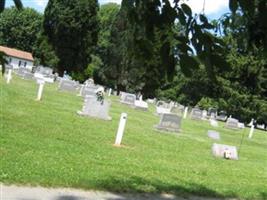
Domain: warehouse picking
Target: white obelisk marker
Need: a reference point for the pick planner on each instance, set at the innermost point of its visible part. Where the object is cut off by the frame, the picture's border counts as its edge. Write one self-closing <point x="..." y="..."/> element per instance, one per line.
<point x="251" y="131"/>
<point x="40" y="90"/>
<point x="109" y="92"/>
<point x="9" y="76"/>
<point x="185" y="112"/>
<point x="120" y="131"/>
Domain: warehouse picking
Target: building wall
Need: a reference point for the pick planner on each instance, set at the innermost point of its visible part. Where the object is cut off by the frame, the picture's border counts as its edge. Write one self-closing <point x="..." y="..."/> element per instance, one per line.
<point x="19" y="62"/>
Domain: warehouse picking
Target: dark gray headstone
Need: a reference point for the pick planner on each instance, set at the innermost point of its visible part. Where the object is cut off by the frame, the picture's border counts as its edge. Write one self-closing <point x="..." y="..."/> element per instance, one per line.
<point x="169" y="122"/>
<point x="94" y="108"/>
<point x="225" y="151"/>
<point x="214" y="135"/>
<point x="196" y="114"/>
<point x="232" y="123"/>
<point x="68" y="85"/>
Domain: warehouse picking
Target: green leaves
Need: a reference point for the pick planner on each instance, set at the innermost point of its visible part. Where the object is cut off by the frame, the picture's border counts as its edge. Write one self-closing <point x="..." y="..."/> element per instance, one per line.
<point x="188" y="64"/>
<point x="187" y="10"/>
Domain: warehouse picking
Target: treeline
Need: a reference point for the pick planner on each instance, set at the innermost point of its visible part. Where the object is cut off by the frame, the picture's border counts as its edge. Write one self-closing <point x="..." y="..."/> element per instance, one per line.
<point x="153" y="47"/>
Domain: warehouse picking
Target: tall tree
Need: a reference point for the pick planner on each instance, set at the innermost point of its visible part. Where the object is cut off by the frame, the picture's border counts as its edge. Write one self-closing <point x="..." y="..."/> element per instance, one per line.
<point x="72" y="29"/>
<point x="19" y="28"/>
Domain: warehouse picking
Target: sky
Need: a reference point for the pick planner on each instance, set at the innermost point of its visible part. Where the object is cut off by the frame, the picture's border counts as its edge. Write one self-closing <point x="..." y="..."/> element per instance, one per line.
<point x="213" y="8"/>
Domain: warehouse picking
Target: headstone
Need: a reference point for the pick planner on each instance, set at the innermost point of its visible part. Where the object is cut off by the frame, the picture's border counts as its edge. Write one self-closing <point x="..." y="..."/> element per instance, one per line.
<point x="151" y="101"/>
<point x="68" y="85"/>
<point x="214" y="135"/>
<point x="128" y="99"/>
<point x="178" y="110"/>
<point x="163" y="107"/>
<point x="196" y="114"/>
<point x="225" y="151"/>
<point x="109" y="92"/>
<point x="232" y="123"/>
<point x="46" y="71"/>
<point x="204" y="114"/>
<point x="88" y="90"/>
<point x="28" y="76"/>
<point x="213" y="122"/>
<point x="260" y="126"/>
<point x="142" y="105"/>
<point x="212" y="113"/>
<point x="94" y="108"/>
<point x="169" y="122"/>
<point x="241" y="125"/>
<point x="121" y="128"/>
<point x="222" y="116"/>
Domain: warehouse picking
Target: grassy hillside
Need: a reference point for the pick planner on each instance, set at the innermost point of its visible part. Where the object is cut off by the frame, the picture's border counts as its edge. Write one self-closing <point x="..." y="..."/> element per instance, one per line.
<point x="46" y="143"/>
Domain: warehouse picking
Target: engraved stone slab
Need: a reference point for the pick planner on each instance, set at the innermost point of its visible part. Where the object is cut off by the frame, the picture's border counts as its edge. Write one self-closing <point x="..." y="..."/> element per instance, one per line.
<point x="94" y="108"/>
<point x="163" y="107"/>
<point x="88" y="90"/>
<point x="142" y="105"/>
<point x="225" y="151"/>
<point x="128" y="99"/>
<point x="232" y="123"/>
<point x="68" y="85"/>
<point x="178" y="110"/>
<point x="196" y="114"/>
<point x="214" y="135"/>
<point x="44" y="70"/>
<point x="169" y="122"/>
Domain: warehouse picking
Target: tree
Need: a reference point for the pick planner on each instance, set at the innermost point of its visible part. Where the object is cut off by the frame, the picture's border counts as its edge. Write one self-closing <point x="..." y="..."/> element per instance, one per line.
<point x="19" y="28"/>
<point x="72" y="28"/>
<point x="17" y="3"/>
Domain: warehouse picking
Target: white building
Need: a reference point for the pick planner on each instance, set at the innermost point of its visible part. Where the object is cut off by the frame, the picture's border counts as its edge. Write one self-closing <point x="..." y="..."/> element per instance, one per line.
<point x="17" y="58"/>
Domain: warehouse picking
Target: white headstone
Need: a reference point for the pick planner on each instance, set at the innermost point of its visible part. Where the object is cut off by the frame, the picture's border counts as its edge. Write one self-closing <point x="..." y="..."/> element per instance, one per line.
<point x="232" y="123"/>
<point x="94" y="108"/>
<point x="109" y="92"/>
<point x="142" y="105"/>
<point x="163" y="107"/>
<point x="9" y="76"/>
<point x="128" y="99"/>
<point x="225" y="151"/>
<point x="196" y="114"/>
<point x="213" y="122"/>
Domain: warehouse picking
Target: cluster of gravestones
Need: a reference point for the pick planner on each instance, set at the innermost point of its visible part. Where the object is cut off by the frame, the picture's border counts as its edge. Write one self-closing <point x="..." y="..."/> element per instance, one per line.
<point x="171" y="114"/>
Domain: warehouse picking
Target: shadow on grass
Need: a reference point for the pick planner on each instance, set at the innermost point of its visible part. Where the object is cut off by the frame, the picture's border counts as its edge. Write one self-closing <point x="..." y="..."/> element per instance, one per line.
<point x="139" y="186"/>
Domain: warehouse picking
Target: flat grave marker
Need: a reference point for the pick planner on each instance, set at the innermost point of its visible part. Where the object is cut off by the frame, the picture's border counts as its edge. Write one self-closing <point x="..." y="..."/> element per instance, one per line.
<point x="214" y="135"/>
<point x="225" y="151"/>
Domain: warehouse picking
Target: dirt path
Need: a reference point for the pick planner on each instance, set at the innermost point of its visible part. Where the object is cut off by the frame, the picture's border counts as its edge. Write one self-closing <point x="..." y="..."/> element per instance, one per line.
<point x="13" y="192"/>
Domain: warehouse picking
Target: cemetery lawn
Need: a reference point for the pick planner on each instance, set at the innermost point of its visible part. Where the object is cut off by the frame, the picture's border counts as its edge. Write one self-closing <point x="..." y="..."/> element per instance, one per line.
<point x="46" y="143"/>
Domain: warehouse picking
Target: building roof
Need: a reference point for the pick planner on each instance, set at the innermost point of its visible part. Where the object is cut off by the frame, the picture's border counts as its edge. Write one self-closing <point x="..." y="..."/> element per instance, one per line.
<point x="17" y="53"/>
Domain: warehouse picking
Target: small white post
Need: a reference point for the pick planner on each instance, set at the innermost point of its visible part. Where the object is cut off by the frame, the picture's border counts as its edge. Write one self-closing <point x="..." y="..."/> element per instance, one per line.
<point x="251" y="131"/>
<point x="141" y="98"/>
<point x="40" y="90"/>
<point x="81" y="90"/>
<point x="9" y="76"/>
<point x="185" y="112"/>
<point x="120" y="131"/>
<point x="109" y="92"/>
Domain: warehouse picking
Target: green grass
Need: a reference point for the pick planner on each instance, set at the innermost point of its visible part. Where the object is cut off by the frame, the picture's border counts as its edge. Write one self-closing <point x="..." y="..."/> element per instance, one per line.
<point x="46" y="143"/>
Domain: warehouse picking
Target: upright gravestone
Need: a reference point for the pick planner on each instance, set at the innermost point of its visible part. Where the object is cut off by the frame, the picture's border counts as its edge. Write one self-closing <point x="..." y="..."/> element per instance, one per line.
<point x="214" y="135"/>
<point x="68" y="86"/>
<point x="128" y="99"/>
<point x="178" y="110"/>
<point x="169" y="122"/>
<point x="225" y="151"/>
<point x="28" y="76"/>
<point x="88" y="90"/>
<point x="141" y="105"/>
<point x="196" y="114"/>
<point x="232" y="123"/>
<point x="94" y="108"/>
<point x="163" y="107"/>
